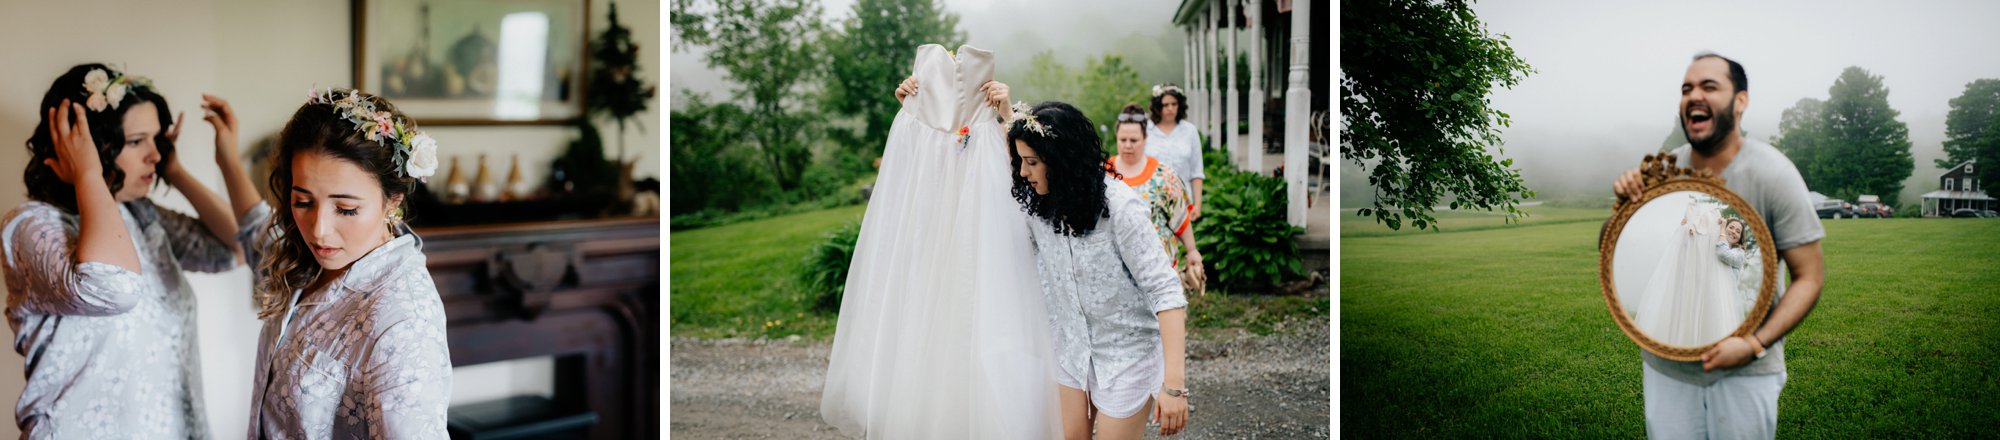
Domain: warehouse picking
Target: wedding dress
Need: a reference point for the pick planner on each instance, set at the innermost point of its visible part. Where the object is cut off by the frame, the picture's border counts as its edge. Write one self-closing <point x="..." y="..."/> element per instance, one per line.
<point x="1691" y="297"/>
<point x="942" y="332"/>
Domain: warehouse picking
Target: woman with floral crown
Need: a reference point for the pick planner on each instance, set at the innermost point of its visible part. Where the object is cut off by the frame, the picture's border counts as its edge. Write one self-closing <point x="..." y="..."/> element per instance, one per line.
<point x="95" y="296"/>
<point x="353" y="344"/>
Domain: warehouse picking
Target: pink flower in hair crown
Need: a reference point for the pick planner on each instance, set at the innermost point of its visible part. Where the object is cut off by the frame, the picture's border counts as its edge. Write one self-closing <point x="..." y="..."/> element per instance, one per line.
<point x="415" y="151"/>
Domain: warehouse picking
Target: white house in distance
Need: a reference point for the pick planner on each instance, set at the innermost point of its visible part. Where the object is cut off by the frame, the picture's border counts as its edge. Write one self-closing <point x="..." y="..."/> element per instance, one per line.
<point x="1960" y="190"/>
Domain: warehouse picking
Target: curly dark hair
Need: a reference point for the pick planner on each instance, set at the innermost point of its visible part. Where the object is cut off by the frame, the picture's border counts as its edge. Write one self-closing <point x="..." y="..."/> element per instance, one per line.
<point x="1180" y="114"/>
<point x="1076" y="168"/>
<point x="288" y="263"/>
<point x="107" y="129"/>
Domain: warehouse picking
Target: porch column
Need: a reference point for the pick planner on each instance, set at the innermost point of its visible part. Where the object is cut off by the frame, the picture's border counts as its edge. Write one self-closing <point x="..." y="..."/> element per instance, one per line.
<point x="1298" y="114"/>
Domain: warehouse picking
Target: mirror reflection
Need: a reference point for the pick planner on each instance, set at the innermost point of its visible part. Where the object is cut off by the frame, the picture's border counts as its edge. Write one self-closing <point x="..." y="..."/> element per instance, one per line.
<point x="1688" y="268"/>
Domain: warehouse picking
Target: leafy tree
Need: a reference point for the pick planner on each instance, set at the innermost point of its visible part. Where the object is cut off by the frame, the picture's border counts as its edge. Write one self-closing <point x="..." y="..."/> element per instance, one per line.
<point x="1415" y="80"/>
<point x="1100" y="89"/>
<point x="1972" y="131"/>
<point x="1105" y="85"/>
<point x="873" y="51"/>
<point x="1852" y="144"/>
<point x="1802" y="137"/>
<point x="769" y="48"/>
<point x="1046" y="80"/>
<point x="708" y="164"/>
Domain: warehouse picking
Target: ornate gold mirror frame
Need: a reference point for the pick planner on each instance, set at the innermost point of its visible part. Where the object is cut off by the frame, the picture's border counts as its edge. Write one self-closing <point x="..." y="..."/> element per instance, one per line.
<point x="1661" y="177"/>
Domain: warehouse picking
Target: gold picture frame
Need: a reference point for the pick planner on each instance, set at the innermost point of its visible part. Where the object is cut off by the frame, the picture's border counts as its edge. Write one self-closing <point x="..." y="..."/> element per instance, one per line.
<point x="1662" y="177"/>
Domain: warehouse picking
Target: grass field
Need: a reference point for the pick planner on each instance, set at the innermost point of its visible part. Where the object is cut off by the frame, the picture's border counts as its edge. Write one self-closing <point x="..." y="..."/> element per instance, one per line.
<point x="1502" y="331"/>
<point x="741" y="280"/>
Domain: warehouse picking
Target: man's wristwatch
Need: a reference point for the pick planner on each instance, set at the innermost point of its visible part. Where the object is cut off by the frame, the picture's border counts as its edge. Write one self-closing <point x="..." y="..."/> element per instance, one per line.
<point x="1758" y="344"/>
<point x="1178" y="392"/>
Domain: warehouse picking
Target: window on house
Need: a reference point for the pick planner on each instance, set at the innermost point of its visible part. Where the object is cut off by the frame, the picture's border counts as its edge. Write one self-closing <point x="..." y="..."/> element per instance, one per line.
<point x="1947" y="184"/>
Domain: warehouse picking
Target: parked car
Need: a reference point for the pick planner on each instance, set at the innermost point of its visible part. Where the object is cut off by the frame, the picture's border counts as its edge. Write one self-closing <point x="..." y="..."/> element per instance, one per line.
<point x="1873" y="210"/>
<point x="1974" y="213"/>
<point x="1831" y="207"/>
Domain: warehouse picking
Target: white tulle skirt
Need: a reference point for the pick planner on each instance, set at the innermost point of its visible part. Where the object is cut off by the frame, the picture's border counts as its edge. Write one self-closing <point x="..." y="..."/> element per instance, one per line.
<point x="1691" y="298"/>
<point x="942" y="331"/>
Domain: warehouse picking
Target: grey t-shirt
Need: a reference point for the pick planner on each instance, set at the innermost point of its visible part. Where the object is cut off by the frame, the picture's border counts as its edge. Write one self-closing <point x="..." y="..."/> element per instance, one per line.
<point x="1768" y="181"/>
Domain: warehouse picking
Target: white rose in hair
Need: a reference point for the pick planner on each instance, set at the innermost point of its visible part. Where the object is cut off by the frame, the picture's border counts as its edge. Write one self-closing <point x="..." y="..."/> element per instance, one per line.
<point x="423" y="156"/>
<point x="96" y="102"/>
<point x="95" y="81"/>
<point x="116" y="94"/>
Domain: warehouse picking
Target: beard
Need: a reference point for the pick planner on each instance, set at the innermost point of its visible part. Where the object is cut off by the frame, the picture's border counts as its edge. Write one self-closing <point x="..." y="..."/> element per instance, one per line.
<point x="1725" y="123"/>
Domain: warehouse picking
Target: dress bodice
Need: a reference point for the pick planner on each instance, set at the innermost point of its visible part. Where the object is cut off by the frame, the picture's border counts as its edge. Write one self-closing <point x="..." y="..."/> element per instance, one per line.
<point x="948" y="95"/>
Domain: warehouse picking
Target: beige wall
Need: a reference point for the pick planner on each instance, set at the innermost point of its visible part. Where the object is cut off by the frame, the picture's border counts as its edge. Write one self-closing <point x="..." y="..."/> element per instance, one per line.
<point x="262" y="55"/>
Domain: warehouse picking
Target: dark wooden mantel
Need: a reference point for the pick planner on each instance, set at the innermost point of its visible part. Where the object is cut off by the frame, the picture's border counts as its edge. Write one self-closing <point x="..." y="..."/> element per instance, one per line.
<point x="586" y="292"/>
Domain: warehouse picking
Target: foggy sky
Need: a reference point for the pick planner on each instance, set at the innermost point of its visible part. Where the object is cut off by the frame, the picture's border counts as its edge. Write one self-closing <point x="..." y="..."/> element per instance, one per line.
<point x="1013" y="30"/>
<point x="1609" y="73"/>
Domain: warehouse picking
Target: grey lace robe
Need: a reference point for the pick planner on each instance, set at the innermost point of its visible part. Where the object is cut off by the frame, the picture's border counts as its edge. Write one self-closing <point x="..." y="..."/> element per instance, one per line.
<point x="364" y="358"/>
<point x="108" y="353"/>
<point x="1105" y="288"/>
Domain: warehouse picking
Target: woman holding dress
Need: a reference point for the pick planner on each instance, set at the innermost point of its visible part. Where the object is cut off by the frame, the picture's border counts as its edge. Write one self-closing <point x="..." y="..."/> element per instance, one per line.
<point x="1115" y="305"/>
<point x="95" y="295"/>
<point x="941" y="333"/>
<point x="1172" y="212"/>
<point x="353" y="344"/>
<point x="1690" y="300"/>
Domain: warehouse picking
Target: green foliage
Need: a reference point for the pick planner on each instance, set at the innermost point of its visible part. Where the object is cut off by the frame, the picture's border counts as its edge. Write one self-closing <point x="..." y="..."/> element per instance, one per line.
<point x="824" y="273"/>
<point x="1852" y="143"/>
<point x="1100" y="89"/>
<point x="1415" y="87"/>
<point x="1972" y="131"/>
<point x="769" y="48"/>
<point x="709" y="166"/>
<point x="872" y="51"/>
<point x="1243" y="234"/>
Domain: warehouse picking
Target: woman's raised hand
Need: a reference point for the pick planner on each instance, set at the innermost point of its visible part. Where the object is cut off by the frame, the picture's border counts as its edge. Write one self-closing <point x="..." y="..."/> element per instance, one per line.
<point x="218" y="113"/>
<point x="907" y="88"/>
<point x="996" y="95"/>
<point x="76" y="152"/>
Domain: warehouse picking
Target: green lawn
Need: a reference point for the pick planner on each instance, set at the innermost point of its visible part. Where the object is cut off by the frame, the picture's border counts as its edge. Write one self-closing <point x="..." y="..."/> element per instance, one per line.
<point x="741" y="280"/>
<point x="1352" y="225"/>
<point x="1503" y="331"/>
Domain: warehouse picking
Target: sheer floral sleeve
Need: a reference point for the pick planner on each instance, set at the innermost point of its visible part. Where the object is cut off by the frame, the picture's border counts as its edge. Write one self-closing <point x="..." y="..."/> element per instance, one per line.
<point x="47" y="278"/>
<point x="193" y="246"/>
<point x="1729" y="255"/>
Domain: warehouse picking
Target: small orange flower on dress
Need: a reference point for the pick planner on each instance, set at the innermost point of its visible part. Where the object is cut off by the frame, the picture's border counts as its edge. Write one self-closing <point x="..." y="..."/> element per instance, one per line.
<point x="964" y="135"/>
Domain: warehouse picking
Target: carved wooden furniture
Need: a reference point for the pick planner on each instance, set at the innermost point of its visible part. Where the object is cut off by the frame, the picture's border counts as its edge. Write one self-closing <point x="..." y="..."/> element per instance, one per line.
<point x="586" y="292"/>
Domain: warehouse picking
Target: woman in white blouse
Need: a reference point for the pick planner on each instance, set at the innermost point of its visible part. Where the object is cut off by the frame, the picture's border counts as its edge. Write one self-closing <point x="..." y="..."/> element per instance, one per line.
<point x="353" y="344"/>
<point x="100" y="313"/>
<point x="1116" y="306"/>
<point x="1175" y="144"/>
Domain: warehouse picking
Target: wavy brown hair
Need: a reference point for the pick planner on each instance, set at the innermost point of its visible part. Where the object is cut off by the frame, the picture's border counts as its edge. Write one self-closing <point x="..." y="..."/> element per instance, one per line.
<point x="107" y="129"/>
<point x="287" y="263"/>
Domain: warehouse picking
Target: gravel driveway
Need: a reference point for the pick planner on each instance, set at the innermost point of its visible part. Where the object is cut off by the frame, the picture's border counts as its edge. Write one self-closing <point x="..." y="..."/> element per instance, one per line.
<point x="1246" y="386"/>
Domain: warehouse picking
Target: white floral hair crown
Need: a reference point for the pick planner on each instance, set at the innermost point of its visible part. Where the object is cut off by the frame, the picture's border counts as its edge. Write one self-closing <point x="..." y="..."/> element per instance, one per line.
<point x="1164" y="88"/>
<point x="415" y="151"/>
<point x="106" y="90"/>
<point x="1025" y="115"/>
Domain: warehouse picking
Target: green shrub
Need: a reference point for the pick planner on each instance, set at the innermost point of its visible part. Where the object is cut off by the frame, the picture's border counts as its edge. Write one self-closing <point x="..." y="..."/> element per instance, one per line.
<point x="824" y="273"/>
<point x="1243" y="233"/>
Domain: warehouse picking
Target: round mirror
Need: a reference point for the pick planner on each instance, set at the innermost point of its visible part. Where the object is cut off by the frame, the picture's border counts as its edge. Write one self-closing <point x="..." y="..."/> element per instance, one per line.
<point x="1686" y="265"/>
